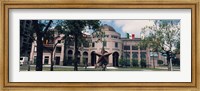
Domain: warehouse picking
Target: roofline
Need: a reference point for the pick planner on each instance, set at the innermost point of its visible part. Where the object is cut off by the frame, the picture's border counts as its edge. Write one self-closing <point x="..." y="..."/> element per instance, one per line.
<point x="136" y="39"/>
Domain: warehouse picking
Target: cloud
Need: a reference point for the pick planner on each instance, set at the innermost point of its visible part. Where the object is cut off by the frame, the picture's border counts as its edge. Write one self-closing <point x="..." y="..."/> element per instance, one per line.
<point x="133" y="26"/>
<point x="128" y="26"/>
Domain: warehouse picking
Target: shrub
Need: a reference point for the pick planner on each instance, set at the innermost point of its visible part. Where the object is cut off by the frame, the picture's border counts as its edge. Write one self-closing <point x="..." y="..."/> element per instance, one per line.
<point x="135" y="63"/>
<point x="124" y="62"/>
<point x="143" y="63"/>
<point x="70" y="62"/>
<point x="127" y="62"/>
<point x="121" y="62"/>
<point x="176" y="61"/>
<point x="65" y="63"/>
<point x="160" y="62"/>
<point x="85" y="62"/>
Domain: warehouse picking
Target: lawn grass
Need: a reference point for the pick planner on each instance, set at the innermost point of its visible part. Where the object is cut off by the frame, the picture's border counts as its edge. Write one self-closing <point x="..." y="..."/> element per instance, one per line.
<point x="70" y="68"/>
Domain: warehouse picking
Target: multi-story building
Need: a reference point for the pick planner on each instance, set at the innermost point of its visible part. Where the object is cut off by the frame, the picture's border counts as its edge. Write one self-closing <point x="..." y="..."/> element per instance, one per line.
<point x="113" y="43"/>
<point x="53" y="49"/>
<point x="25" y="39"/>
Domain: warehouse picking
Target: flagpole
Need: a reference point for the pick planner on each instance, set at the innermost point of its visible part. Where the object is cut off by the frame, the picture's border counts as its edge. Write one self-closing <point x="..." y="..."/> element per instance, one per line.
<point x="126" y="50"/>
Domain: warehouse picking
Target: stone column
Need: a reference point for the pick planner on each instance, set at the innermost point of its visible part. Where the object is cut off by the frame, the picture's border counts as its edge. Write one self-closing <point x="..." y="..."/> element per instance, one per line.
<point x="32" y="53"/>
<point x="139" y="59"/>
<point x="62" y="54"/>
<point x="131" y="55"/>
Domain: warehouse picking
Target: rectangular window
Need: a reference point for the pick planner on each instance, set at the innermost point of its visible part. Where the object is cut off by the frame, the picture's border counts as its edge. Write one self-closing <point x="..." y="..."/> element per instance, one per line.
<point x="58" y="50"/>
<point x="126" y="47"/>
<point x="46" y="60"/>
<point x="142" y="48"/>
<point x="35" y="58"/>
<point x="134" y="47"/>
<point x="104" y="43"/>
<point x="106" y="36"/>
<point x="127" y="55"/>
<point x="59" y="41"/>
<point x="116" y="45"/>
<point x="113" y="36"/>
<point x="86" y="44"/>
<point x="35" y="49"/>
<point x="50" y="41"/>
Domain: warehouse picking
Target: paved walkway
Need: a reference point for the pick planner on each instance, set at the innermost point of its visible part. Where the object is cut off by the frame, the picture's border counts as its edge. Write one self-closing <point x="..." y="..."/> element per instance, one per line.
<point x="165" y="68"/>
<point x="93" y="67"/>
<point x="106" y="67"/>
<point x="58" y="66"/>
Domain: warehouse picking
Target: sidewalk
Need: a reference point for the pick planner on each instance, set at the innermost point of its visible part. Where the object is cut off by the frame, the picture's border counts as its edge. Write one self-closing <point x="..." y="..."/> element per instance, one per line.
<point x="175" y="68"/>
<point x="58" y="66"/>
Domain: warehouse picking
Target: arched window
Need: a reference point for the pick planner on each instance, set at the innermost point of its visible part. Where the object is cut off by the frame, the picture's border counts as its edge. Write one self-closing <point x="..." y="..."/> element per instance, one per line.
<point x="85" y="54"/>
<point x="70" y="59"/>
<point x="70" y="52"/>
<point x="143" y="55"/>
<point x="135" y="55"/>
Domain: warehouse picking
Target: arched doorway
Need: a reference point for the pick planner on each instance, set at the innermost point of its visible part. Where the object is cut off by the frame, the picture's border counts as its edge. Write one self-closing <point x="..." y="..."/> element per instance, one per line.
<point x="79" y="55"/>
<point x="93" y="58"/>
<point x="85" y="57"/>
<point x="115" y="59"/>
<point x="70" y="59"/>
<point x="58" y="60"/>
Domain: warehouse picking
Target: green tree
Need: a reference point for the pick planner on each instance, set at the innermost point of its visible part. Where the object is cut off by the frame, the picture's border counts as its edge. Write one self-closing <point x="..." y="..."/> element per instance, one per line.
<point x="135" y="63"/>
<point x="163" y="36"/>
<point x="73" y="30"/>
<point x="41" y="30"/>
<point x="143" y="63"/>
<point x="151" y="42"/>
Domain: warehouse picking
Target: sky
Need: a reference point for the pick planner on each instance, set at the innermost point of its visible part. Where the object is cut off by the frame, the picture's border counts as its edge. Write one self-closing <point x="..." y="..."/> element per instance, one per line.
<point x="128" y="26"/>
<point x="125" y="26"/>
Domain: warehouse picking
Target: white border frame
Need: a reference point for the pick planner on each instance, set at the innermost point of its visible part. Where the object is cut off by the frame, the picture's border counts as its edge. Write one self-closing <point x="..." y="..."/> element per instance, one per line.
<point x="67" y="76"/>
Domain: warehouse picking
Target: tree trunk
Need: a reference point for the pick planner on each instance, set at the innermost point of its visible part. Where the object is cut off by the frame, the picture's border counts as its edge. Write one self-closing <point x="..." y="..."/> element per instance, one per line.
<point x="153" y="61"/>
<point x="39" y="46"/>
<point x="171" y="69"/>
<point x="169" y="66"/>
<point x="53" y="53"/>
<point x="158" y="57"/>
<point x="28" y="63"/>
<point x="39" y="52"/>
<point x="168" y="61"/>
<point x="76" y="54"/>
<point x="40" y="35"/>
<point x="52" y="62"/>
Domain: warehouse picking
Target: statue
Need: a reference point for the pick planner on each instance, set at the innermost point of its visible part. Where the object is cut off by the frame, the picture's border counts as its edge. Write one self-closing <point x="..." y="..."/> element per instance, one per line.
<point x="103" y="59"/>
<point x="103" y="56"/>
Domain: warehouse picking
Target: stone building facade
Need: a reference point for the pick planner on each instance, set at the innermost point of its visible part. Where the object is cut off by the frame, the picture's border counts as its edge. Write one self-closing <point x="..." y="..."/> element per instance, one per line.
<point x="119" y="47"/>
